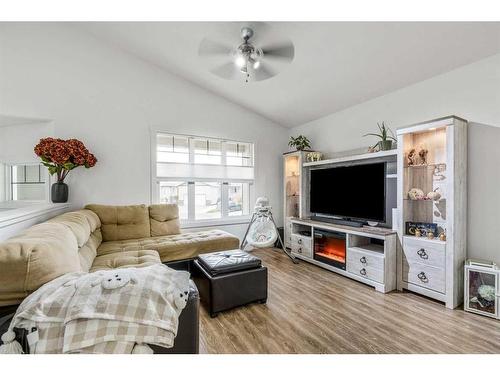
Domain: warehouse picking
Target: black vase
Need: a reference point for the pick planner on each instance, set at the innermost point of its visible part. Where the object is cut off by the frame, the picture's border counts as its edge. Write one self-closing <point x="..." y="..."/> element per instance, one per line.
<point x="59" y="192"/>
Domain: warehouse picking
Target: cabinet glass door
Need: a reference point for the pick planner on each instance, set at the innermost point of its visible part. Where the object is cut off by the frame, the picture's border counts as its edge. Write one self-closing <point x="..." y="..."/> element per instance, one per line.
<point x="481" y="292"/>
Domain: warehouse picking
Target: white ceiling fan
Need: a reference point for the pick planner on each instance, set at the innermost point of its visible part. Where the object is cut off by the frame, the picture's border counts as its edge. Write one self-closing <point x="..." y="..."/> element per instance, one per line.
<point x="254" y="59"/>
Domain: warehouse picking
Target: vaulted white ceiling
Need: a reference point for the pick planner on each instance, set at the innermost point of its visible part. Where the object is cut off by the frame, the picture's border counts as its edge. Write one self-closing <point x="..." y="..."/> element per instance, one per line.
<point x="336" y="64"/>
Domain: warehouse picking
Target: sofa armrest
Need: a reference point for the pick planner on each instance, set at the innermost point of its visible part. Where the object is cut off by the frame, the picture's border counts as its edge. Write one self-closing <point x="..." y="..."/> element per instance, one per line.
<point x="188" y="332"/>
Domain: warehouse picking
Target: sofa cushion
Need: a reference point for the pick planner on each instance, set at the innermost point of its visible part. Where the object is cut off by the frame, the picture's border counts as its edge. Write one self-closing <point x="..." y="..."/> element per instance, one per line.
<point x="88" y="252"/>
<point x="180" y="246"/>
<point x="81" y="223"/>
<point x="164" y="219"/>
<point x="34" y="257"/>
<point x="85" y="225"/>
<point x="122" y="222"/>
<point x="126" y="259"/>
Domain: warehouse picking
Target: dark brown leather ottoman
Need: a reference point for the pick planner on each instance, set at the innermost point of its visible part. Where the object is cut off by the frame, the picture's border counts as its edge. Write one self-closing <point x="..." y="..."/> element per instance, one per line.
<point x="228" y="279"/>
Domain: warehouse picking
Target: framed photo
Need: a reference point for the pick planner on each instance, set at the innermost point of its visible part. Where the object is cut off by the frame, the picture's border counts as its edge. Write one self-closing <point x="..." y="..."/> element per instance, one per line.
<point x="425" y="228"/>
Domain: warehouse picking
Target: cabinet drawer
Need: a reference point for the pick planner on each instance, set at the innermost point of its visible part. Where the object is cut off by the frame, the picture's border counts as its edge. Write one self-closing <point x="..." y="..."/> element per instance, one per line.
<point x="425" y="276"/>
<point x="301" y="250"/>
<point x="425" y="252"/>
<point x="365" y="258"/>
<point x="302" y="241"/>
<point x="375" y="274"/>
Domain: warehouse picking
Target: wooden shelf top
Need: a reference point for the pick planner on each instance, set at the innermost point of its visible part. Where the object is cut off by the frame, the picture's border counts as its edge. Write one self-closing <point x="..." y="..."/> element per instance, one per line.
<point x="375" y="232"/>
<point x="342" y="159"/>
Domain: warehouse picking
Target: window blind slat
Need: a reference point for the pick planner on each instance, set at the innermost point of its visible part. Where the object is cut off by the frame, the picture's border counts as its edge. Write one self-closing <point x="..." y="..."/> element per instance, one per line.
<point x="194" y="171"/>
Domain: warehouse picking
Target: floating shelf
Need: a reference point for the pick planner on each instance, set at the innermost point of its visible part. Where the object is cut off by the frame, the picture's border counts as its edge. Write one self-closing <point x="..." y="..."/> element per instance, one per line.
<point x="369" y="155"/>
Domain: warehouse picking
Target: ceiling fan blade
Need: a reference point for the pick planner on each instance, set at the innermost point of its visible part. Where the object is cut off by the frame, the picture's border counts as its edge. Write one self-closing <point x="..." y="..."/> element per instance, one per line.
<point x="212" y="48"/>
<point x="282" y="51"/>
<point x="263" y="72"/>
<point x="228" y="71"/>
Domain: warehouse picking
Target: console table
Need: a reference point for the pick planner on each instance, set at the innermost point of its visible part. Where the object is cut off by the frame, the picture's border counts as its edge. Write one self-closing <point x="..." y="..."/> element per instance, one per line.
<point x="370" y="252"/>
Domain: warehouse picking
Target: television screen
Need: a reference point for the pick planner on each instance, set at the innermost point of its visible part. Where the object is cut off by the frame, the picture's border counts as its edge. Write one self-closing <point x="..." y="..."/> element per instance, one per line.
<point x="356" y="192"/>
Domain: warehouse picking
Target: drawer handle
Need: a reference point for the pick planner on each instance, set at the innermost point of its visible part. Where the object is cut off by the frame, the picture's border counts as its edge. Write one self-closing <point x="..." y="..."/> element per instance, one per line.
<point x="422" y="254"/>
<point x="299" y="241"/>
<point x="362" y="271"/>
<point x="299" y="250"/>
<point x="362" y="260"/>
<point x="423" y="277"/>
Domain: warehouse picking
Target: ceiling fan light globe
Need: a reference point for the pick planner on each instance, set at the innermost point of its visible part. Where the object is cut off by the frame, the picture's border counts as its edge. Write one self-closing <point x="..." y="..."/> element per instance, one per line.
<point x="240" y="61"/>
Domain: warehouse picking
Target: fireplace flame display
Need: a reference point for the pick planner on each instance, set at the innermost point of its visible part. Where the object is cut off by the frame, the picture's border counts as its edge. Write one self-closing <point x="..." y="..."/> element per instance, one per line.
<point x="329" y="247"/>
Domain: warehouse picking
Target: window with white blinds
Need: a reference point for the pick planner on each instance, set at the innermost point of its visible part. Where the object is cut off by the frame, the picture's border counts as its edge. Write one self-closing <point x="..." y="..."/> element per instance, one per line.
<point x="210" y="179"/>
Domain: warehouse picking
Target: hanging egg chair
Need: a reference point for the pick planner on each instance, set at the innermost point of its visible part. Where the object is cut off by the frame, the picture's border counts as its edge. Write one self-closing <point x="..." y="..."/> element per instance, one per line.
<point x="262" y="230"/>
<point x="262" y="233"/>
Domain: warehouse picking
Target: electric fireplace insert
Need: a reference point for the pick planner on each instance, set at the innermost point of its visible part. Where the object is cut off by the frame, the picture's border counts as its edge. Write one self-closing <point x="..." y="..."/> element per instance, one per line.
<point x="330" y="247"/>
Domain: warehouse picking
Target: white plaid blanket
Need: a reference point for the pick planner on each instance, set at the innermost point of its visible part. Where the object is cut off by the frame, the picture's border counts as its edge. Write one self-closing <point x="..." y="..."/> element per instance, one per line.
<point x="105" y="312"/>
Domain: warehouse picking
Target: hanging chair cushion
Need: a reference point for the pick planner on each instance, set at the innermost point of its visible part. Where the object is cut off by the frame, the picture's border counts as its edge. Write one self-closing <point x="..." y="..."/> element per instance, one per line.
<point x="262" y="234"/>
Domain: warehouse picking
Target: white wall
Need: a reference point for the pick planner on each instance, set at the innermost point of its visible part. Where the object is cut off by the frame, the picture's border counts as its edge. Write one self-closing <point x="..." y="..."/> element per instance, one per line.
<point x="484" y="192"/>
<point x="109" y="100"/>
<point x="17" y="142"/>
<point x="471" y="92"/>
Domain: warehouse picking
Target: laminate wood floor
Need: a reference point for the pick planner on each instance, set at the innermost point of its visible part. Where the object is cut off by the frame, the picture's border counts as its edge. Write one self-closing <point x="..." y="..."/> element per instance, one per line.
<point x="312" y="310"/>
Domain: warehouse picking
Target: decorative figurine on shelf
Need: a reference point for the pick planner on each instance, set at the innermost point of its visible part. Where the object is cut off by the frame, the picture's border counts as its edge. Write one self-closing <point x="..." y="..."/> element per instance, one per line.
<point x="434" y="195"/>
<point x="430" y="235"/>
<point x="412" y="157"/>
<point x="416" y="194"/>
<point x="442" y="236"/>
<point x="422" y="154"/>
<point x="439" y="173"/>
<point x="314" y="156"/>
<point x="419" y="229"/>
<point x="485" y="296"/>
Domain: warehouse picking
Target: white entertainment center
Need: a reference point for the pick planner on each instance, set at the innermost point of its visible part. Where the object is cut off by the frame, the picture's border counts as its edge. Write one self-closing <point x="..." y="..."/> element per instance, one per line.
<point x="370" y="253"/>
<point x="371" y="263"/>
<point x="391" y="258"/>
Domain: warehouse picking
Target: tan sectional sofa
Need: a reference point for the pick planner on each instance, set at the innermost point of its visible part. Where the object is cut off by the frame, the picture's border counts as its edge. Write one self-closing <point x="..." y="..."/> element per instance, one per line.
<point x="96" y="238"/>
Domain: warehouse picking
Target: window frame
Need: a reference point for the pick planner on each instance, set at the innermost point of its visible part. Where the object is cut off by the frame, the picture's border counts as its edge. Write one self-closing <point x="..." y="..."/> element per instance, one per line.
<point x="191" y="222"/>
<point x="8" y="178"/>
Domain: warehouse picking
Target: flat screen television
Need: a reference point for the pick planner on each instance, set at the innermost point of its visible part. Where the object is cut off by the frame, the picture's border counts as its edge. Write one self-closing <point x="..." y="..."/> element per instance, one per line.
<point x="354" y="192"/>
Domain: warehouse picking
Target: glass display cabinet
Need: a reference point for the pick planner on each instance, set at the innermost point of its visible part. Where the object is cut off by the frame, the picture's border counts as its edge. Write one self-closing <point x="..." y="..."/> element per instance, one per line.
<point x="481" y="289"/>
<point x="432" y="196"/>
<point x="293" y="191"/>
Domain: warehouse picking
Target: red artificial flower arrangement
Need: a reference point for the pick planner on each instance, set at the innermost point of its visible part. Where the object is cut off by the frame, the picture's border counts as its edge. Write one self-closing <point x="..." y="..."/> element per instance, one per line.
<point x="61" y="156"/>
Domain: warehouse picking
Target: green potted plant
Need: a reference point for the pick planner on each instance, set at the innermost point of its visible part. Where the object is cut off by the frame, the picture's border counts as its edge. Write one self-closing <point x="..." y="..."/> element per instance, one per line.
<point x="300" y="143"/>
<point x="386" y="137"/>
